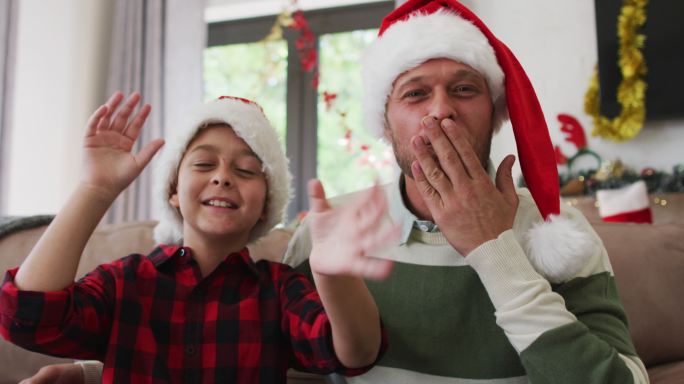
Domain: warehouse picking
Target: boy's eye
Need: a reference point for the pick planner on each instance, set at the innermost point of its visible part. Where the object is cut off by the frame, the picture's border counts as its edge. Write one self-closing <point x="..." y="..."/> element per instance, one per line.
<point x="202" y="164"/>
<point x="248" y="171"/>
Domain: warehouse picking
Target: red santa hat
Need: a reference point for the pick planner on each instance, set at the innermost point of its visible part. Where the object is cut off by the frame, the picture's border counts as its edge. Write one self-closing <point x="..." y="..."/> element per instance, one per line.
<point x="628" y="204"/>
<point x="420" y="30"/>
<point x="248" y="121"/>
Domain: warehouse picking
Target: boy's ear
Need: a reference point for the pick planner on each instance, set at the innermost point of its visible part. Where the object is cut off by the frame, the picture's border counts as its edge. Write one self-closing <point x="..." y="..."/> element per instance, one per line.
<point x="263" y="215"/>
<point x="173" y="200"/>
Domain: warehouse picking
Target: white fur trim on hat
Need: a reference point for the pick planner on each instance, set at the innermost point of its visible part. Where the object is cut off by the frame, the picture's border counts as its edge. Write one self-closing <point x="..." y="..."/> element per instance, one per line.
<point x="559" y="248"/>
<point x="249" y="123"/>
<point x="407" y="44"/>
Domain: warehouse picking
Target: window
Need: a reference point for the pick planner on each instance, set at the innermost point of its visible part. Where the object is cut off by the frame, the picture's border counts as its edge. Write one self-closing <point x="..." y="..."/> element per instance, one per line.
<point x="328" y="143"/>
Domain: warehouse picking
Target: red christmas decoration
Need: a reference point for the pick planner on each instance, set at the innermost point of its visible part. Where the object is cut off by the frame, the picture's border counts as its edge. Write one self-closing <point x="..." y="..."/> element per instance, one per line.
<point x="306" y="45"/>
<point x="560" y="157"/>
<point x="574" y="130"/>
<point x="328" y="99"/>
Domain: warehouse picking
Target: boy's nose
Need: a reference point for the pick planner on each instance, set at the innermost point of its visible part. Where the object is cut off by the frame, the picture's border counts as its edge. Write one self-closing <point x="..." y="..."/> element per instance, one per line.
<point x="222" y="177"/>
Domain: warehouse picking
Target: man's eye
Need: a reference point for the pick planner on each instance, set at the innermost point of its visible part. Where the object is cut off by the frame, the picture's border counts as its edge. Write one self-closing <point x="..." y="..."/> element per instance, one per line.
<point x="414" y="93"/>
<point x="464" y="89"/>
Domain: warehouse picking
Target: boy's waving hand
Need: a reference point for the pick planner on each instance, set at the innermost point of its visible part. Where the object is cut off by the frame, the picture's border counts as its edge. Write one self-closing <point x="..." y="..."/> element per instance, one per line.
<point x="108" y="163"/>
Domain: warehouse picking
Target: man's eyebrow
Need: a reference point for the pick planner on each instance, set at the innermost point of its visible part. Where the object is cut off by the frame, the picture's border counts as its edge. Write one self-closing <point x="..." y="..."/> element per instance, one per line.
<point x="459" y="74"/>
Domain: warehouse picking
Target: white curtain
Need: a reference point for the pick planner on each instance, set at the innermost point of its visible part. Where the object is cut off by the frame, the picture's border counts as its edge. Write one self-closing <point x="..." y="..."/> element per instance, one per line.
<point x="156" y="49"/>
<point x="8" y="29"/>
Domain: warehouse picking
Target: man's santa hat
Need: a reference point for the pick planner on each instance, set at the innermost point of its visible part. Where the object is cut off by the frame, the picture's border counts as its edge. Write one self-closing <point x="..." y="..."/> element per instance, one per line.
<point x="420" y="30"/>
<point x="248" y="121"/>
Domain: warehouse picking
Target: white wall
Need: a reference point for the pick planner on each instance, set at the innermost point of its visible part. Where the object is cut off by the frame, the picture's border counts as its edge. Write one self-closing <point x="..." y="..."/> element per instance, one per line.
<point x="60" y="78"/>
<point x="555" y="40"/>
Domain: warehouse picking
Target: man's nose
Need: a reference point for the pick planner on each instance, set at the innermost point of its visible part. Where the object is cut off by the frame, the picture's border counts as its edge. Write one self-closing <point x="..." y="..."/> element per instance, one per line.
<point x="441" y="106"/>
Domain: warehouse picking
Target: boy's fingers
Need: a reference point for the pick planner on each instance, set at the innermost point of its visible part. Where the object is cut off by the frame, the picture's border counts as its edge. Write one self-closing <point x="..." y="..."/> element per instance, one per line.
<point x="371" y="207"/>
<point x="114" y="101"/>
<point x="145" y="155"/>
<point x="94" y="120"/>
<point x="317" y="200"/>
<point x="380" y="239"/>
<point x="121" y="118"/>
<point x="133" y="129"/>
<point x="112" y="104"/>
<point x="372" y="268"/>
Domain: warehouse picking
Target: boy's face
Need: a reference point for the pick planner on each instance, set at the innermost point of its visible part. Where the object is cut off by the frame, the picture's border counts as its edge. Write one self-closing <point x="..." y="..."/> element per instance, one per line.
<point x="221" y="188"/>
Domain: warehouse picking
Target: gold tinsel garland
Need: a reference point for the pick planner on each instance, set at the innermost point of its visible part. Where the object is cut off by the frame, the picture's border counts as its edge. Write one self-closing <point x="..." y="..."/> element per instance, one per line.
<point x="632" y="90"/>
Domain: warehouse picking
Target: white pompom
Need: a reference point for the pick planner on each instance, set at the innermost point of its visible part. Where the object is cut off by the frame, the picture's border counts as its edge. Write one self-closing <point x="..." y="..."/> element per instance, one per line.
<point x="559" y="248"/>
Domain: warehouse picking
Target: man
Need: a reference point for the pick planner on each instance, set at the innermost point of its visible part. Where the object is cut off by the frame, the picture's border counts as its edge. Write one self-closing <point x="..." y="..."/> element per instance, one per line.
<point x="490" y="284"/>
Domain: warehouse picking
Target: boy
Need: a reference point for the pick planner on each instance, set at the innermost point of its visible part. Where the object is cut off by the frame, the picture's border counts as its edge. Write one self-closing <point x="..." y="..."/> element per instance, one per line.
<point x="197" y="308"/>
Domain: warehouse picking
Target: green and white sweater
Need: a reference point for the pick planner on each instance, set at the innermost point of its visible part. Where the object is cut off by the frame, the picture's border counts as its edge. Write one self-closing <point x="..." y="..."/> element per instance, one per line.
<point x="491" y="317"/>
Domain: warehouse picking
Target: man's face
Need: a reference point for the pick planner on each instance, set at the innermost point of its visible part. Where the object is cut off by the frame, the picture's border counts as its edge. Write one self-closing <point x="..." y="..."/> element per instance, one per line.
<point x="441" y="89"/>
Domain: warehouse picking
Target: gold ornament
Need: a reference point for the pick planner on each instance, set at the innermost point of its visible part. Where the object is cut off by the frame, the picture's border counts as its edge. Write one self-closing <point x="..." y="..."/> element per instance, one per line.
<point x="632" y="89"/>
<point x="610" y="170"/>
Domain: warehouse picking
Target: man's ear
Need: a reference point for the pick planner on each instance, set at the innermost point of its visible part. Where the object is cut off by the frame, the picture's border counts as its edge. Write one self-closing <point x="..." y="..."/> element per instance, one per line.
<point x="387" y="133"/>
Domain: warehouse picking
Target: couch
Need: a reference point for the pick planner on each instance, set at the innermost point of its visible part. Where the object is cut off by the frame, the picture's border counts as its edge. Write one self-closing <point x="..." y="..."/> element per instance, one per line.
<point x="648" y="261"/>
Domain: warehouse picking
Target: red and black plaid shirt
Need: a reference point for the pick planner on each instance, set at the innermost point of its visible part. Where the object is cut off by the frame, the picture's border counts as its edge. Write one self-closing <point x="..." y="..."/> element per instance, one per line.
<point x="155" y="319"/>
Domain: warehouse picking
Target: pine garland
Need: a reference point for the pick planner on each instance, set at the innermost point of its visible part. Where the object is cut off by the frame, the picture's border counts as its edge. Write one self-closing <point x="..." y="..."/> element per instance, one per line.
<point x="632" y="89"/>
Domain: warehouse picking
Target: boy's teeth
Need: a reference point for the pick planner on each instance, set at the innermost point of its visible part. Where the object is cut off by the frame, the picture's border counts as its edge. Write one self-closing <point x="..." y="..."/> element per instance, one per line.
<point x="218" y="203"/>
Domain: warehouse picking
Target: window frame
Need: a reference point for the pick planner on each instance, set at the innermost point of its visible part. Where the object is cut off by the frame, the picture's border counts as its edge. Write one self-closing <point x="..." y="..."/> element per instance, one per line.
<point x="301" y="97"/>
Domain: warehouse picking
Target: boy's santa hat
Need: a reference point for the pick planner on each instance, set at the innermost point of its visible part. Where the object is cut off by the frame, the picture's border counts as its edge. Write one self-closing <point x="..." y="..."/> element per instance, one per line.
<point x="248" y="121"/>
<point x="420" y="30"/>
<point x="625" y="205"/>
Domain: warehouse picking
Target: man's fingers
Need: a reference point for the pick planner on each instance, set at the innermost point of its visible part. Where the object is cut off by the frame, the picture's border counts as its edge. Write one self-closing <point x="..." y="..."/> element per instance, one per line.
<point x="431" y="170"/>
<point x="459" y="138"/>
<point x="504" y="179"/>
<point x="317" y="200"/>
<point x="449" y="158"/>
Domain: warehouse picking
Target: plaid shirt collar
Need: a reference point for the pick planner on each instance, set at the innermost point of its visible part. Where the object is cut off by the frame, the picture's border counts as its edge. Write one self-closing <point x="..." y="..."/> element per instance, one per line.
<point x="165" y="253"/>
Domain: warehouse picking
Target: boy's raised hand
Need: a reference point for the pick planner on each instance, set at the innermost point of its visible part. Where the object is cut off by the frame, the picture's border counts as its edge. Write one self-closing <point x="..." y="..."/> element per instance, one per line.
<point x="108" y="163"/>
<point x="343" y="237"/>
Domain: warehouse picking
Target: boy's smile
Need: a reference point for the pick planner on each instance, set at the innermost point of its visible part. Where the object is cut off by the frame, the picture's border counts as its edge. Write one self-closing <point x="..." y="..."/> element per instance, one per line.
<point x="221" y="189"/>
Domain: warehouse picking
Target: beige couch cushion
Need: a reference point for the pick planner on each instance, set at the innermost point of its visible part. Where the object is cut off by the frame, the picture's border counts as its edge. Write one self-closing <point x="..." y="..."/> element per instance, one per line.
<point x="648" y="261"/>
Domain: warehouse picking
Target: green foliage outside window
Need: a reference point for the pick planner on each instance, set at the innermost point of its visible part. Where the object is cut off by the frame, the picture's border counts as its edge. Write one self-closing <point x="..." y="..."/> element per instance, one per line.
<point x="347" y="164"/>
<point x="255" y="71"/>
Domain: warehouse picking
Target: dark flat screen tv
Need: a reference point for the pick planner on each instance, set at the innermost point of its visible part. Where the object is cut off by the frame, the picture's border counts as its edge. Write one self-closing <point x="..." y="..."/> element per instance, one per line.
<point x="664" y="53"/>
